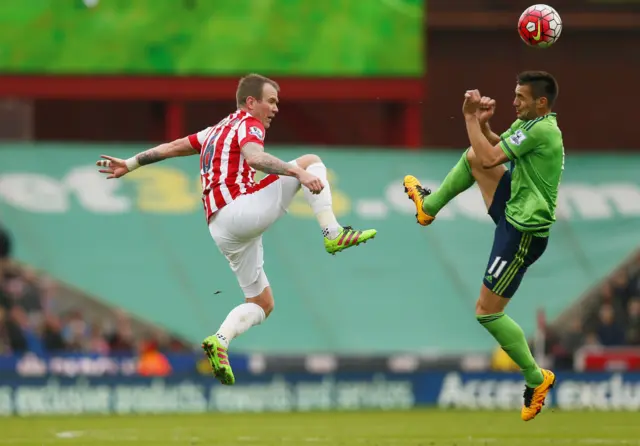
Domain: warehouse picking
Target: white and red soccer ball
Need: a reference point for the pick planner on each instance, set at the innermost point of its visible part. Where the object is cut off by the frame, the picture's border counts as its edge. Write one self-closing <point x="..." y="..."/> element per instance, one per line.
<point x="540" y="26"/>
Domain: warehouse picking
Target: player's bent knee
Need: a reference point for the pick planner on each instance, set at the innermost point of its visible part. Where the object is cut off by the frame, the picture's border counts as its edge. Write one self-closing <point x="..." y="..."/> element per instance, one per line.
<point x="264" y="300"/>
<point x="481" y="309"/>
<point x="477" y="170"/>
<point x="471" y="156"/>
<point x="259" y="292"/>
<point x="490" y="303"/>
<point x="306" y="160"/>
<point x="474" y="162"/>
<point x="267" y="304"/>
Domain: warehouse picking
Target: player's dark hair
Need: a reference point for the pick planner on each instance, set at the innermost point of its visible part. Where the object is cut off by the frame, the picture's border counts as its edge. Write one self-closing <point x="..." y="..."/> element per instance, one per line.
<point x="542" y="84"/>
<point x="252" y="85"/>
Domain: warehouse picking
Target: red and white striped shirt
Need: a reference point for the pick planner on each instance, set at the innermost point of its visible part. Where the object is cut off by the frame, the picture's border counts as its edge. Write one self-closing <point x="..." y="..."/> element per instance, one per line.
<point x="224" y="173"/>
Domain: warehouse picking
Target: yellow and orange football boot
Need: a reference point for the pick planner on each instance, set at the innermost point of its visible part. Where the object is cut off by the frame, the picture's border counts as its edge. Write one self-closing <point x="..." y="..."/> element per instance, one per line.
<point x="416" y="193"/>
<point x="534" y="397"/>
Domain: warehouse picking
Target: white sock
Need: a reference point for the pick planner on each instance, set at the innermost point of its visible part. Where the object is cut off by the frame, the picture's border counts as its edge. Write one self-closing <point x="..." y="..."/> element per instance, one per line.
<point x="321" y="204"/>
<point x="239" y="320"/>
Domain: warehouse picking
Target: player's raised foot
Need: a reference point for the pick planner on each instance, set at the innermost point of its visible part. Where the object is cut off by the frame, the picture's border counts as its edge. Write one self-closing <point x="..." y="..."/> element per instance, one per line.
<point x="219" y="360"/>
<point x="416" y="193"/>
<point x="534" y="397"/>
<point x="347" y="238"/>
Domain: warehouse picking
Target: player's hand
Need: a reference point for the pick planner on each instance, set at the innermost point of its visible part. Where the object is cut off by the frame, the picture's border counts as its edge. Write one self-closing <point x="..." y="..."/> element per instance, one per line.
<point x="471" y="102"/>
<point x="311" y="182"/>
<point x="115" y="167"/>
<point x="486" y="109"/>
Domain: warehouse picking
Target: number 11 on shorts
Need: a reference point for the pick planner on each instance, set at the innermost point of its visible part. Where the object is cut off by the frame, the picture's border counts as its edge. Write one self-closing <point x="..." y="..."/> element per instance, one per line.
<point x="497" y="266"/>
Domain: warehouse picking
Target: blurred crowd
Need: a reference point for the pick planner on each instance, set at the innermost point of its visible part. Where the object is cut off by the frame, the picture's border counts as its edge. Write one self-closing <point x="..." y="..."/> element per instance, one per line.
<point x="613" y="321"/>
<point x="35" y="318"/>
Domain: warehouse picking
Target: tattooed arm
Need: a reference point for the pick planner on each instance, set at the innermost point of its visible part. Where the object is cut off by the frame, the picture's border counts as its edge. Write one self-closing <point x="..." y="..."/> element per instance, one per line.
<point x="179" y="147"/>
<point x="260" y="160"/>
<point x="116" y="167"/>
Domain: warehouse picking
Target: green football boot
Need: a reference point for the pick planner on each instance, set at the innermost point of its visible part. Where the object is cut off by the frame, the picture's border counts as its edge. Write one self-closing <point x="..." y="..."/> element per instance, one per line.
<point x="347" y="238"/>
<point x="219" y="360"/>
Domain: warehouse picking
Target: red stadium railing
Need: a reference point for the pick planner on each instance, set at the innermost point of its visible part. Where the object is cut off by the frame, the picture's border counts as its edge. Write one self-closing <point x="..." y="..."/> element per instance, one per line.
<point x="174" y="91"/>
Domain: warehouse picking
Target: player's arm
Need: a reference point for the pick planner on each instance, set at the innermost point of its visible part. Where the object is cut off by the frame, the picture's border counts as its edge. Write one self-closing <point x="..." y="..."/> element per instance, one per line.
<point x="257" y="158"/>
<point x="485" y="111"/>
<point x="116" y="167"/>
<point x="251" y="141"/>
<point x="489" y="134"/>
<point x="178" y="147"/>
<point x="490" y="154"/>
<point x="522" y="141"/>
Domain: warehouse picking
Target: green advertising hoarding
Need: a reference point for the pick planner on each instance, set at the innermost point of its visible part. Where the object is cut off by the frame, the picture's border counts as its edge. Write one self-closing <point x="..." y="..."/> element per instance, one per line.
<point x="213" y="37"/>
<point x="142" y="244"/>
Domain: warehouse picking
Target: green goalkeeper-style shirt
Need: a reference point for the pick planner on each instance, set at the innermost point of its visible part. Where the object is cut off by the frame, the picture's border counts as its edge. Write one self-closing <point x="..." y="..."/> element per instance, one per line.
<point x="536" y="152"/>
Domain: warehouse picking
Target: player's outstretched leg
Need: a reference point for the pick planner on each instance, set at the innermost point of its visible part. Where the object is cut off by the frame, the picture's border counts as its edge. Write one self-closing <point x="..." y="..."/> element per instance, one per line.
<point x="513" y="341"/>
<point x="428" y="203"/>
<point x="490" y="314"/>
<point x="336" y="237"/>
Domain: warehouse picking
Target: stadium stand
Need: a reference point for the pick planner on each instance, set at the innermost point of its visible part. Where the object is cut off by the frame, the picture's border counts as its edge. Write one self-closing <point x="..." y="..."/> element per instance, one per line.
<point x="36" y="316"/>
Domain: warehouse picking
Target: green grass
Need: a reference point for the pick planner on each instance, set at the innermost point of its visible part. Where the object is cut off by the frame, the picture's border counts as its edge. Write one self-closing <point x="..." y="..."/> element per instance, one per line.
<point x="414" y="428"/>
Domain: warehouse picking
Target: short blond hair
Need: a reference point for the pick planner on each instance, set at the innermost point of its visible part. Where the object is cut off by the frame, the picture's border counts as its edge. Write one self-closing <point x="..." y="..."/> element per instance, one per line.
<point x="252" y="85"/>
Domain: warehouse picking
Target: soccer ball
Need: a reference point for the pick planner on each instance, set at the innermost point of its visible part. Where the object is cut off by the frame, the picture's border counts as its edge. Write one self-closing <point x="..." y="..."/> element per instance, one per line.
<point x="540" y="26"/>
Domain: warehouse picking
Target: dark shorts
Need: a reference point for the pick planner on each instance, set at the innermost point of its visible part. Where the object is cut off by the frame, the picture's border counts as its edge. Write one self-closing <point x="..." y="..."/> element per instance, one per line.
<point x="513" y="251"/>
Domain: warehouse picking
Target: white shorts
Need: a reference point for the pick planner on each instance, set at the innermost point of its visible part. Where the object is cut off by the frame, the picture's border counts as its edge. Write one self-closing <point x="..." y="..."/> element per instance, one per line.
<point x="237" y="230"/>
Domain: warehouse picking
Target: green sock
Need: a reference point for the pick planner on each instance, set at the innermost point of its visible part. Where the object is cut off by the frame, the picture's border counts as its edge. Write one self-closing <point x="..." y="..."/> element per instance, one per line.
<point x="457" y="181"/>
<point x="511" y="338"/>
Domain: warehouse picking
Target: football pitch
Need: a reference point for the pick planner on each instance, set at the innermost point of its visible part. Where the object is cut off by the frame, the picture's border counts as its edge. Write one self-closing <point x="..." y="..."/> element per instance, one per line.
<point x="411" y="428"/>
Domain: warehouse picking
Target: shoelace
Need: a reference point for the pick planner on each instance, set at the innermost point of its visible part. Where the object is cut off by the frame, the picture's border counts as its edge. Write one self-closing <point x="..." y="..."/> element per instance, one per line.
<point x="423" y="192"/>
<point x="528" y="395"/>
